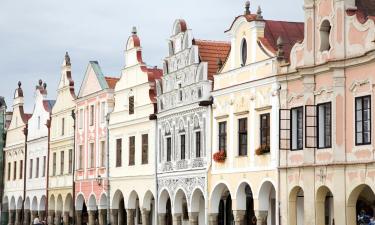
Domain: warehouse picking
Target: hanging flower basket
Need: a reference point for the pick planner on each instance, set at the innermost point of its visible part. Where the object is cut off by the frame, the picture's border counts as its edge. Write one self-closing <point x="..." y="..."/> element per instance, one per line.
<point x="219" y="156"/>
<point x="262" y="150"/>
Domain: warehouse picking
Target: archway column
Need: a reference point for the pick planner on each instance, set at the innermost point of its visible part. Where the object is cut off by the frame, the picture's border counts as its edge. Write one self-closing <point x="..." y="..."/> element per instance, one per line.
<point x="114" y="216"/>
<point x="78" y="217"/>
<point x="66" y="218"/>
<point x="42" y="215"/>
<point x="91" y="217"/>
<point x="145" y="217"/>
<point x="102" y="216"/>
<point x="193" y="218"/>
<point x="130" y="216"/>
<point x="34" y="214"/>
<point x="261" y="216"/>
<point x="239" y="216"/>
<point x="58" y="218"/>
<point x="18" y="217"/>
<point x="161" y="218"/>
<point x="177" y="219"/>
<point x="51" y="217"/>
<point x="27" y="217"/>
<point x="121" y="216"/>
<point x="212" y="219"/>
<point x="11" y="216"/>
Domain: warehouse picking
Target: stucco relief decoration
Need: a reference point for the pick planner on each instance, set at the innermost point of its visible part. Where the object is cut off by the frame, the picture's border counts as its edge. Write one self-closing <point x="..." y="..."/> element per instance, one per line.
<point x="295" y="99"/>
<point x="360" y="35"/>
<point x="324" y="93"/>
<point x="359" y="86"/>
<point x="186" y="184"/>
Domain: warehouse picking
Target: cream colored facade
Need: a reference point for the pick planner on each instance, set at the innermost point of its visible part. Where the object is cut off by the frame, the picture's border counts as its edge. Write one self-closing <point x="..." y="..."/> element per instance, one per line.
<point x="61" y="158"/>
<point x="132" y="141"/>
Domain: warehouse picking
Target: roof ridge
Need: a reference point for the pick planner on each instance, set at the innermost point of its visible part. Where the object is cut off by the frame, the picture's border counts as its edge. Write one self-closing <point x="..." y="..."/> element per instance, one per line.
<point x="212" y="41"/>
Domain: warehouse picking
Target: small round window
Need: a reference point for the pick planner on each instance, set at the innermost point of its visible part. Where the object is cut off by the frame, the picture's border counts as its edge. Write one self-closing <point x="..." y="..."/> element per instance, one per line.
<point x="243" y="52"/>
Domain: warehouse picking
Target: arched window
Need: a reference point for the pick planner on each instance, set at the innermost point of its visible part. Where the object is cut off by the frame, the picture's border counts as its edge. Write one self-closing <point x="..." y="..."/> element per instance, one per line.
<point x="325" y="30"/>
<point x="243" y="52"/>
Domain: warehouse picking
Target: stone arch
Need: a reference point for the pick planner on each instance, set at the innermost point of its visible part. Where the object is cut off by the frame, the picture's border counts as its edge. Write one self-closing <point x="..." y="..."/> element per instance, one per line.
<point x="197" y="206"/>
<point x="80" y="201"/>
<point x="34" y="204"/>
<point x="91" y="206"/>
<point x="163" y="198"/>
<point x="147" y="200"/>
<point x="68" y="203"/>
<point x="180" y="201"/>
<point x="27" y="203"/>
<point x="116" y="199"/>
<point x="296" y="206"/>
<point x="216" y="194"/>
<point x="5" y="206"/>
<point x="4" y="210"/>
<point x="103" y="201"/>
<point x="51" y="203"/>
<point x="324" y="206"/>
<point x="359" y="201"/>
<point x="267" y="202"/>
<point x="42" y="203"/>
<point x="12" y="205"/>
<point x="19" y="203"/>
<point x="59" y="203"/>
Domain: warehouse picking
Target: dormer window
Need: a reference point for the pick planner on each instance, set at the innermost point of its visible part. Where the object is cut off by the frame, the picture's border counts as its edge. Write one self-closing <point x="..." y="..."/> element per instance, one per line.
<point x="131" y="105"/>
<point x="325" y="30"/>
<point x="243" y="52"/>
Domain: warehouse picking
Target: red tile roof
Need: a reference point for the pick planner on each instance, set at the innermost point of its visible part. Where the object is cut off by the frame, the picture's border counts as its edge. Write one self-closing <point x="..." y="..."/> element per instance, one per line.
<point x="111" y="81"/>
<point x="361" y="15"/>
<point x="290" y="32"/>
<point x="210" y="52"/>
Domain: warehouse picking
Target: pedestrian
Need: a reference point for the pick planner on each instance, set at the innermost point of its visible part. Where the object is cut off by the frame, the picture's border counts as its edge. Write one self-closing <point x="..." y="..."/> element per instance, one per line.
<point x="36" y="221"/>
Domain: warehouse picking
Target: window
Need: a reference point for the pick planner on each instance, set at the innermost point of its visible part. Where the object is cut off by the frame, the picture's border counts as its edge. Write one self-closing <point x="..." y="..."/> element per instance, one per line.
<point x="198" y="144"/>
<point x="44" y="166"/>
<point x="54" y="164"/>
<point x="62" y="126"/>
<point x="102" y="112"/>
<point x="179" y="92"/>
<point x="182" y="146"/>
<point x="144" y="148"/>
<point x="131" y="105"/>
<point x="169" y="149"/>
<point x="131" y="150"/>
<point x="118" y="152"/>
<point x="102" y="153"/>
<point x="9" y="169"/>
<point x="62" y="162"/>
<point x="297" y="128"/>
<point x="243" y="52"/>
<point x="31" y="169"/>
<point x="324" y="125"/>
<point x="21" y="169"/>
<point x="80" y="116"/>
<point x="15" y="170"/>
<point x="242" y="137"/>
<point x="92" y="114"/>
<point x="37" y="168"/>
<point x="265" y="131"/>
<point x="223" y="136"/>
<point x="80" y="159"/>
<point x="363" y="120"/>
<point x="70" y="169"/>
<point x="92" y="155"/>
<point x="325" y="30"/>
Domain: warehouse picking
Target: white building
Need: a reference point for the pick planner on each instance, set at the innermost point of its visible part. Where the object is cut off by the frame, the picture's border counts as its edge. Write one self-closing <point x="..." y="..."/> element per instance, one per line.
<point x="132" y="133"/>
<point x="184" y="120"/>
<point x="37" y="149"/>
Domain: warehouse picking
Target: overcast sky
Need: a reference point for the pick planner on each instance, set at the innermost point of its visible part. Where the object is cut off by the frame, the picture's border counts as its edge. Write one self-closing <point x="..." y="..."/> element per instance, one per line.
<point x="34" y="35"/>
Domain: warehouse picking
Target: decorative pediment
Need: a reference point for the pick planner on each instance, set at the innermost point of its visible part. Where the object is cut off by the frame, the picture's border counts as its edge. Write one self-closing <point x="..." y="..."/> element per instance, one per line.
<point x="360" y="83"/>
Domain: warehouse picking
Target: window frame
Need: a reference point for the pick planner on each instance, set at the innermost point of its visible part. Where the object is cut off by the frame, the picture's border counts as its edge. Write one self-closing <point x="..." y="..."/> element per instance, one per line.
<point x="324" y="125"/>
<point x="92" y="154"/>
<point x="198" y="144"/>
<point x="362" y="122"/>
<point x="131" y="150"/>
<point x="80" y="158"/>
<point x="131" y="105"/>
<point x="118" y="152"/>
<point x="291" y="129"/>
<point x="54" y="164"/>
<point x="261" y="129"/>
<point x="243" y="51"/>
<point x="222" y="136"/>
<point x="37" y="168"/>
<point x="168" y="144"/>
<point x="62" y="162"/>
<point x="9" y="170"/>
<point x="92" y="114"/>
<point x="103" y="153"/>
<point x="70" y="163"/>
<point x="182" y="144"/>
<point x="144" y="140"/>
<point x="31" y="169"/>
<point x="21" y="169"/>
<point x="62" y="126"/>
<point x="240" y="134"/>
<point x="14" y="170"/>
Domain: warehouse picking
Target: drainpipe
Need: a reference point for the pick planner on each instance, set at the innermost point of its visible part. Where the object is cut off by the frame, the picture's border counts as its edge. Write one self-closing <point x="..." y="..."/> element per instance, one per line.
<point x="107" y="171"/>
<point x="25" y="132"/>
<point x="48" y="124"/>
<point x="74" y="166"/>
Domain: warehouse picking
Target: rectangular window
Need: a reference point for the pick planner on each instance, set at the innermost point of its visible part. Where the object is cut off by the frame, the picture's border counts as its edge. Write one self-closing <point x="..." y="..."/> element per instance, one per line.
<point x="92" y="155"/>
<point x="62" y="126"/>
<point x="182" y="146"/>
<point x="198" y="144"/>
<point x="169" y="149"/>
<point x="223" y="136"/>
<point x="54" y="164"/>
<point x="102" y="112"/>
<point x="92" y="115"/>
<point x="131" y="150"/>
<point x="102" y="153"/>
<point x="21" y="169"/>
<point x="363" y="120"/>
<point x="44" y="166"/>
<point x="131" y="105"/>
<point x="62" y="159"/>
<point x="70" y="161"/>
<point x="179" y="92"/>
<point x="242" y="137"/>
<point x="80" y="116"/>
<point x="37" y="168"/>
<point x="80" y="160"/>
<point x="118" y="152"/>
<point x="324" y="125"/>
<point x="297" y="128"/>
<point x="31" y="169"/>
<point x="265" y="132"/>
<point x="15" y="170"/>
<point x="144" y="148"/>
<point x="9" y="170"/>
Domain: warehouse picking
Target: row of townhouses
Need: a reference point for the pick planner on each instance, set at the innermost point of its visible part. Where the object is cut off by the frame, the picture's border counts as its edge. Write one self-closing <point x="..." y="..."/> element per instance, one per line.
<point x="272" y="127"/>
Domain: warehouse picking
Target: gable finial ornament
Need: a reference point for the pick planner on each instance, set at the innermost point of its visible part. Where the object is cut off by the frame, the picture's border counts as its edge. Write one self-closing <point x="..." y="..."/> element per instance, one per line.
<point x="247" y="8"/>
<point x="134" y="30"/>
<point x="40" y="82"/>
<point x="19" y="84"/>
<point x="259" y="13"/>
<point x="67" y="59"/>
<point x="280" y="48"/>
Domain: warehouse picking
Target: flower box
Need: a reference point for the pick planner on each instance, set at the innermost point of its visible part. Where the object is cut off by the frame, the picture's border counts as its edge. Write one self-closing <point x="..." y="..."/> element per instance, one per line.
<point x="262" y="150"/>
<point x="219" y="156"/>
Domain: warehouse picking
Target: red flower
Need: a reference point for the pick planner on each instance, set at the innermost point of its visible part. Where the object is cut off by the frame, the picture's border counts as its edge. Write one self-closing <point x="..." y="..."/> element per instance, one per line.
<point x="219" y="156"/>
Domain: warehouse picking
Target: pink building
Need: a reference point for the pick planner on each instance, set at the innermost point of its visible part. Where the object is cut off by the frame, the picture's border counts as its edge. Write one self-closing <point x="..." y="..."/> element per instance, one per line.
<point x="327" y="154"/>
<point x="95" y="100"/>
